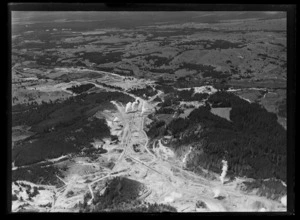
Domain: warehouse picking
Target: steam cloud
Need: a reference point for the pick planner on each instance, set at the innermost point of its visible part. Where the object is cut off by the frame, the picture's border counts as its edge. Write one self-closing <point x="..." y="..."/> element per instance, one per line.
<point x="283" y="200"/>
<point x="224" y="171"/>
<point x="216" y="192"/>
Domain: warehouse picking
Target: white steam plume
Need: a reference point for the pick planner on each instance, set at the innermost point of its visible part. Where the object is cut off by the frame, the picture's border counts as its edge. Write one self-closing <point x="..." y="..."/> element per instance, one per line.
<point x="224" y="171"/>
<point x="283" y="200"/>
<point x="216" y="192"/>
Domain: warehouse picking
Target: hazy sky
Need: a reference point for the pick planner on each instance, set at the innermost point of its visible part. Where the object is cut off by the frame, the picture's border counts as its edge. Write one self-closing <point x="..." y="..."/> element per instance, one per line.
<point x="47" y="16"/>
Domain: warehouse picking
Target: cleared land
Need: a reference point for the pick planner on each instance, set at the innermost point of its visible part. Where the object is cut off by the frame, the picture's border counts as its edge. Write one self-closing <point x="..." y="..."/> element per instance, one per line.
<point x="138" y="99"/>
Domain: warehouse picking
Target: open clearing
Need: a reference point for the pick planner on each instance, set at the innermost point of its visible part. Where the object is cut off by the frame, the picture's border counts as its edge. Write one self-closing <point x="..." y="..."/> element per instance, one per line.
<point x="182" y="189"/>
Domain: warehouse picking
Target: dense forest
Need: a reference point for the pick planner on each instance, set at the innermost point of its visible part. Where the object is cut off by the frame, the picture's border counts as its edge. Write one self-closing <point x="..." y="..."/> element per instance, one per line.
<point x="100" y="58"/>
<point x="216" y="44"/>
<point x="63" y="127"/>
<point x="67" y="110"/>
<point x="157" y="128"/>
<point x="157" y="60"/>
<point x="38" y="175"/>
<point x="271" y="188"/>
<point x="282" y="109"/>
<point x="121" y="195"/>
<point x="81" y="88"/>
<point x="253" y="142"/>
<point x="148" y="91"/>
<point x="109" y="86"/>
<point x="71" y="139"/>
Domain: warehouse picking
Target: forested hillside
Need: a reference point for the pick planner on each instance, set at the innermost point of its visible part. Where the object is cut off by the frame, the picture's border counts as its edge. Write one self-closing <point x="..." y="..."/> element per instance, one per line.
<point x="252" y="142"/>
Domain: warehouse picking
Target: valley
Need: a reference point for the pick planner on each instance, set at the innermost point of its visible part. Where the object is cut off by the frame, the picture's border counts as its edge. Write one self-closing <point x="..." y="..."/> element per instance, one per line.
<point x="133" y="115"/>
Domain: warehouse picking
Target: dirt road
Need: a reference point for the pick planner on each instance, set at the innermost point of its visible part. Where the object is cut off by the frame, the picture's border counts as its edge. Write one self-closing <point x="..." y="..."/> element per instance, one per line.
<point x="162" y="181"/>
<point x="165" y="179"/>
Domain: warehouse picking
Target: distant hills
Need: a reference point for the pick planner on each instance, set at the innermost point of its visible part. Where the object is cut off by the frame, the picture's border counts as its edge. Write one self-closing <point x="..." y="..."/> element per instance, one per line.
<point x="115" y="19"/>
